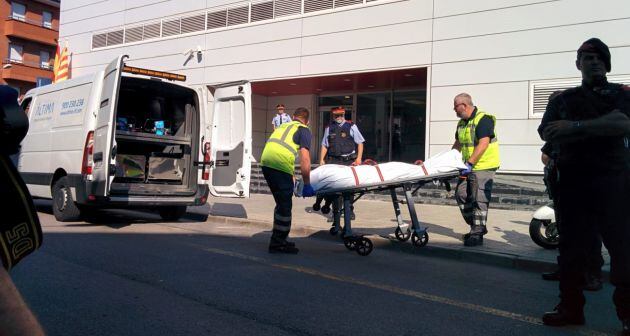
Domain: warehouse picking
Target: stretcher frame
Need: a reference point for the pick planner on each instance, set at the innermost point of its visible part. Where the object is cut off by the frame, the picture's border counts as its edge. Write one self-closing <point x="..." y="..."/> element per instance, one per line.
<point x="344" y="198"/>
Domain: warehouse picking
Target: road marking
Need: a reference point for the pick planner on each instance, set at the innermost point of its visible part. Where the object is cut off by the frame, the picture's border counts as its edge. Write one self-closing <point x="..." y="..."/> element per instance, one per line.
<point x="396" y="290"/>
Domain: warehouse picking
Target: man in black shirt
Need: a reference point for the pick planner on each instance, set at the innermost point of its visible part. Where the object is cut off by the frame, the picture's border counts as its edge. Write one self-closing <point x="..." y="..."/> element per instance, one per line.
<point x="590" y="124"/>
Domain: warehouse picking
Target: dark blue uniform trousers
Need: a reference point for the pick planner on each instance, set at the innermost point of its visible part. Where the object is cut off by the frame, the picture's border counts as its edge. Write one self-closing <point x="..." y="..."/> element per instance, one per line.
<point x="591" y="203"/>
<point x="281" y="185"/>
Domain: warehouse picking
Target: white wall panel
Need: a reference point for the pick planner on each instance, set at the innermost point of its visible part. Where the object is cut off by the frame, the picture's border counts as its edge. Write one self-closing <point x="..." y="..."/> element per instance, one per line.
<point x="364" y="17"/>
<point x="254" y="34"/>
<point x="412" y="55"/>
<point x="93" y="10"/>
<point x="251" y="53"/>
<point x="68" y="5"/>
<point x="547" y="14"/>
<point x="411" y="32"/>
<point x="98" y="23"/>
<point x="252" y="71"/>
<point x="539" y="41"/>
<point x="520" y="158"/>
<point x="457" y="7"/>
<point x="504" y="100"/>
<point x="442" y="132"/>
<point x="78" y="44"/>
<point x="161" y="9"/>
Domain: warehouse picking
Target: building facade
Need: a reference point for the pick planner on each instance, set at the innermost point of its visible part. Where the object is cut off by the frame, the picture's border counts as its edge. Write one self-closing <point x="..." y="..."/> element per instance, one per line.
<point x="394" y="64"/>
<point x="28" y="39"/>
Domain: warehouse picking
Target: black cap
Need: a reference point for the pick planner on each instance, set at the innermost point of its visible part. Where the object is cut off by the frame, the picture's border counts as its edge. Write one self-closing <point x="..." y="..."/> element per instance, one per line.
<point x="597" y="46"/>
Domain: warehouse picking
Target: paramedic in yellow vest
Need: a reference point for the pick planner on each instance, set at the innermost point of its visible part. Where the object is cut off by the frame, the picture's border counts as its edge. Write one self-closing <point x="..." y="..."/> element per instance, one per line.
<point x="278" y="165"/>
<point x="477" y="140"/>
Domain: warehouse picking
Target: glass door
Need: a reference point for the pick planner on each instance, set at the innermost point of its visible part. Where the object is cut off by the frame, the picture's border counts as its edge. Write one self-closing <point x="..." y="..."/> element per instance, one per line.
<point x="372" y="119"/>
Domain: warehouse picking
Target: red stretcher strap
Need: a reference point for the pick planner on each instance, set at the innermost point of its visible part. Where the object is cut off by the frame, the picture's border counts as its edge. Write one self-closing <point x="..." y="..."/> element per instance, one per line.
<point x="356" y="177"/>
<point x="378" y="170"/>
<point x="424" y="170"/>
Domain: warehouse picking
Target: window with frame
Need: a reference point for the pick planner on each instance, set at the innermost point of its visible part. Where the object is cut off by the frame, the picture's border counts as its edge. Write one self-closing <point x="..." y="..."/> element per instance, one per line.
<point x="41" y="81"/>
<point x="15" y="53"/>
<point x="47" y="19"/>
<point x="44" y="59"/>
<point x="18" y="11"/>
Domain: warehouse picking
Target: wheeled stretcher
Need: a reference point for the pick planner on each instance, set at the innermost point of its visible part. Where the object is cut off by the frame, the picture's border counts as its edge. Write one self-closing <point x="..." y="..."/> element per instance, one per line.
<point x="344" y="198"/>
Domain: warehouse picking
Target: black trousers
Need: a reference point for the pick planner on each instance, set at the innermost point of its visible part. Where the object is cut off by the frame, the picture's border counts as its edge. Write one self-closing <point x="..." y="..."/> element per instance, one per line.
<point x="338" y="161"/>
<point x="593" y="203"/>
<point x="281" y="185"/>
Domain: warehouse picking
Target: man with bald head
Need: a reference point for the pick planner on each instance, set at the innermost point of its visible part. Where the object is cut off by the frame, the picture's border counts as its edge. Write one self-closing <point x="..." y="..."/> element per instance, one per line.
<point x="476" y="139"/>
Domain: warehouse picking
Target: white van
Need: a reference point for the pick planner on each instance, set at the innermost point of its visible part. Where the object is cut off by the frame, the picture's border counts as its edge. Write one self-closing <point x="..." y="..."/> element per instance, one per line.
<point x="131" y="137"/>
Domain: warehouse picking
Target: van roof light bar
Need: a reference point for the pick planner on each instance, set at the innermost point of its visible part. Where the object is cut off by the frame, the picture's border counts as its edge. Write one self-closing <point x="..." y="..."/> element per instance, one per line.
<point x="153" y="73"/>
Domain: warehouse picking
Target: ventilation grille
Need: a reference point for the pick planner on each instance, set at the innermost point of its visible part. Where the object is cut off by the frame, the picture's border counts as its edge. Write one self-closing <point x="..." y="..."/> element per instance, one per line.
<point x="151" y="31"/>
<point x="262" y="11"/>
<point x="193" y="23"/>
<point x="170" y="27"/>
<point x="115" y="37"/>
<point x="99" y="40"/>
<point x="133" y="34"/>
<point x="317" y="5"/>
<point x="342" y="3"/>
<point x="288" y="7"/>
<point x="238" y="15"/>
<point x="217" y="19"/>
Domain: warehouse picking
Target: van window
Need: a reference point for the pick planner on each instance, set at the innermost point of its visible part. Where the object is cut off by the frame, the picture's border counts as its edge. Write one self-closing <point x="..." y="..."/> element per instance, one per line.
<point x="26" y="105"/>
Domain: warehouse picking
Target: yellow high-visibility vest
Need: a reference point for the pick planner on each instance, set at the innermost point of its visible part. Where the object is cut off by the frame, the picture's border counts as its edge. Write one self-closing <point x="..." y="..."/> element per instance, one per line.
<point x="280" y="150"/>
<point x="468" y="140"/>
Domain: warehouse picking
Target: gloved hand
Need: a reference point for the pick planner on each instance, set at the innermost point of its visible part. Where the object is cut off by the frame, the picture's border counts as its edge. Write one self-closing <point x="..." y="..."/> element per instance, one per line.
<point x="308" y="191"/>
<point x="468" y="170"/>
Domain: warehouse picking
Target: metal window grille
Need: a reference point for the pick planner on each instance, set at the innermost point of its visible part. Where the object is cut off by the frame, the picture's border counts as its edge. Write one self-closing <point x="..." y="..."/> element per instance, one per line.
<point x="151" y="31"/>
<point x="317" y="5"/>
<point x="193" y="23"/>
<point x="342" y="3"/>
<point x="217" y="19"/>
<point x="133" y="34"/>
<point x="238" y="15"/>
<point x="287" y="7"/>
<point x="171" y="27"/>
<point x="262" y="11"/>
<point x="99" y="40"/>
<point x="115" y="37"/>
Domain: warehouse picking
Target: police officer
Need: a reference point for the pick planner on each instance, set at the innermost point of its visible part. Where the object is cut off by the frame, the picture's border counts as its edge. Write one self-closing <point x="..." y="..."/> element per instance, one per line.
<point x="342" y="143"/>
<point x="591" y="125"/>
<point x="280" y="118"/>
<point x="277" y="161"/>
<point x="476" y="139"/>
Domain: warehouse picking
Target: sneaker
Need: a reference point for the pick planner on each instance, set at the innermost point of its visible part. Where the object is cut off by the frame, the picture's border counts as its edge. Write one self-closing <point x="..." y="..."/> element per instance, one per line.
<point x="474" y="240"/>
<point x="561" y="316"/>
<point x="287" y="249"/>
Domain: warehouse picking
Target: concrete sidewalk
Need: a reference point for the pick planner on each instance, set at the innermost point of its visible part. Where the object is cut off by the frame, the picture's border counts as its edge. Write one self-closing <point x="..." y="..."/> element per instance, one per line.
<point x="506" y="244"/>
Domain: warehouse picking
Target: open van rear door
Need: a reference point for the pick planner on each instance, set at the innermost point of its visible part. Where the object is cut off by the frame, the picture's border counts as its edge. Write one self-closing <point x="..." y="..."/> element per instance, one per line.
<point x="227" y="131"/>
<point x="104" y="152"/>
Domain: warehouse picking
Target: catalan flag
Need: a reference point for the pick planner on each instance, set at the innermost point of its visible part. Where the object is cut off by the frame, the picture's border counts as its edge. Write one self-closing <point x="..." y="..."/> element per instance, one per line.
<point x="61" y="66"/>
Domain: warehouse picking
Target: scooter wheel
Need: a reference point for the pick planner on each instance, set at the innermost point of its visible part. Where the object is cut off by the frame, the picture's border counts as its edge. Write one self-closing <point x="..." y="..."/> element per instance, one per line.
<point x="364" y="247"/>
<point x="420" y="241"/>
<point x="403" y="236"/>
<point x="350" y="243"/>
<point x="333" y="231"/>
<point x="544" y="233"/>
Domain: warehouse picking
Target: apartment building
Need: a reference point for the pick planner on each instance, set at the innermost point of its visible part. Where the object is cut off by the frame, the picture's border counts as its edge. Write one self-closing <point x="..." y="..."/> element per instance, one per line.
<point x="28" y="40"/>
<point x="394" y="64"/>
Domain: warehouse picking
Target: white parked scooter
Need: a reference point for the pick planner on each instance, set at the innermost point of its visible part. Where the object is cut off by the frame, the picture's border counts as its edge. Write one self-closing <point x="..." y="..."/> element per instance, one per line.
<point x="543" y="228"/>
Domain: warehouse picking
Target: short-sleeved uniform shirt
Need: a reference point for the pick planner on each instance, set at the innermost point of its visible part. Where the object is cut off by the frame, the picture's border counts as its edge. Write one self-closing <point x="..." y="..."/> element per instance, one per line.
<point x="280" y="119"/>
<point x="485" y="127"/>
<point x="354" y="133"/>
<point x="302" y="138"/>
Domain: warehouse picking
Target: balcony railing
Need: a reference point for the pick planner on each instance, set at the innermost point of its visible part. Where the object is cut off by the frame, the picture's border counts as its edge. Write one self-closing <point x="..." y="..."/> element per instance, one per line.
<point x="47" y="25"/>
<point x="40" y="65"/>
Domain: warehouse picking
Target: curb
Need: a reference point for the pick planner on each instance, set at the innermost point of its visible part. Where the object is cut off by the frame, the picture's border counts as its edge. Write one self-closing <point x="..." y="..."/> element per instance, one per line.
<point x="467" y="255"/>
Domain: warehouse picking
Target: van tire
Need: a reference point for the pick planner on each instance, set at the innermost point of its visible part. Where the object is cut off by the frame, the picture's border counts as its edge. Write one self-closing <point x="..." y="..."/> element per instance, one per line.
<point x="64" y="208"/>
<point x="172" y="213"/>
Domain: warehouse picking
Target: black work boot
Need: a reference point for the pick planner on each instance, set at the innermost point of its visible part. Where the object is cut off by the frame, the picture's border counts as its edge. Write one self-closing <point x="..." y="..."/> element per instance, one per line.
<point x="625" y="327"/>
<point x="288" y="248"/>
<point x="466" y="235"/>
<point x="593" y="283"/>
<point x="474" y="240"/>
<point x="551" y="276"/>
<point x="562" y="316"/>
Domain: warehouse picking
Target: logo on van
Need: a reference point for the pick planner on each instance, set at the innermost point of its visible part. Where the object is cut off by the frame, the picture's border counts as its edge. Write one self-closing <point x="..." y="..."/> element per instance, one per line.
<point x="44" y="111"/>
<point x="71" y="107"/>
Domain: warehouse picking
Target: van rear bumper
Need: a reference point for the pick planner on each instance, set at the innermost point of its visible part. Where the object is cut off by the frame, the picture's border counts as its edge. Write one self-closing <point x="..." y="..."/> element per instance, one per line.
<point x="200" y="198"/>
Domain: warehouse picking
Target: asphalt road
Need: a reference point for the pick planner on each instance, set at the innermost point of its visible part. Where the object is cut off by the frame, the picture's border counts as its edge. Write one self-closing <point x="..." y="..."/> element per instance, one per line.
<point x="128" y="273"/>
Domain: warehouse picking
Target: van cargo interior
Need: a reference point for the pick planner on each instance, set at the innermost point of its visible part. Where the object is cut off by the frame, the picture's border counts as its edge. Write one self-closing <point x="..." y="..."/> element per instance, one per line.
<point x="156" y="124"/>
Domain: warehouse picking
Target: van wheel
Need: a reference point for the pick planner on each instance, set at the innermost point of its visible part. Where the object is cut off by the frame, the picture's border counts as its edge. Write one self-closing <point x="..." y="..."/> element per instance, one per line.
<point x="64" y="208"/>
<point x="172" y="213"/>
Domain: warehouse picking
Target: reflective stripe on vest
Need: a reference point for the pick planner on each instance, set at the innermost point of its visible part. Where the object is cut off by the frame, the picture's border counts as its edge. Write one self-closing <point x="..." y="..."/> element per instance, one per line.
<point x="280" y="151"/>
<point x="467" y="138"/>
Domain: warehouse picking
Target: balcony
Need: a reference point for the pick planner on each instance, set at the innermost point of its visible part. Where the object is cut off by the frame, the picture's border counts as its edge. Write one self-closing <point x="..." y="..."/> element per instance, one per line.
<point x="31" y="30"/>
<point x="25" y="71"/>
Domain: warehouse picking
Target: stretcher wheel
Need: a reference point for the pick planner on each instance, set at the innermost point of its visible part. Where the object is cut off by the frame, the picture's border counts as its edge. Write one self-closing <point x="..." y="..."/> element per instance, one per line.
<point x="350" y="243"/>
<point x="364" y="246"/>
<point x="403" y="236"/>
<point x="420" y="241"/>
<point x="326" y="209"/>
<point x="316" y="206"/>
<point x="333" y="231"/>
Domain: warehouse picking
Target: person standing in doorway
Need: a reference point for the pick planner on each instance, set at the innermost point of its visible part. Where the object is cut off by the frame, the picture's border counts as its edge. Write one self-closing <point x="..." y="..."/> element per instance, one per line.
<point x="590" y="124"/>
<point x="278" y="165"/>
<point x="280" y="118"/>
<point x="476" y="139"/>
